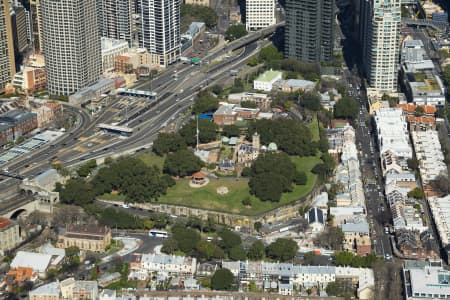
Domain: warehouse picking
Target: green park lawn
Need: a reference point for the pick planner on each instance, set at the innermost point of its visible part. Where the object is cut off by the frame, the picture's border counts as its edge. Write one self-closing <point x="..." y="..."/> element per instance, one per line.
<point x="314" y="128"/>
<point x="207" y="198"/>
<point x="150" y="158"/>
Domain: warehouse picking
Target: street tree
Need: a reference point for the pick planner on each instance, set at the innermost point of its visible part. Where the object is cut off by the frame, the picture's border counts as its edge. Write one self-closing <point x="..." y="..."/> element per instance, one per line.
<point x="168" y="142"/>
<point x="222" y="280"/>
<point x="235" y="32"/>
<point x="282" y="249"/>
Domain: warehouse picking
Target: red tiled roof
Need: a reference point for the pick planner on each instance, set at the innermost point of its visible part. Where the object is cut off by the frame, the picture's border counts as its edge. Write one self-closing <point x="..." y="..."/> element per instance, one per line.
<point x="5" y="222"/>
<point x="198" y="175"/>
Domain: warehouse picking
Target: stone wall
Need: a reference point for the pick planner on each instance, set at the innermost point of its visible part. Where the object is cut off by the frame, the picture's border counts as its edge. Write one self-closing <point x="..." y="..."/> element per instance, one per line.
<point x="280" y="214"/>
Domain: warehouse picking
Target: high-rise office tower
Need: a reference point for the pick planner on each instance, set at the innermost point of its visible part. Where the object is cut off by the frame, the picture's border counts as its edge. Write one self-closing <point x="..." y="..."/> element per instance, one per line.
<point x="159" y="30"/>
<point x="19" y="27"/>
<point x="7" y="65"/>
<point x="35" y="16"/>
<point x="118" y="20"/>
<point x="72" y="48"/>
<point x="259" y="14"/>
<point x="379" y="36"/>
<point x="309" y="33"/>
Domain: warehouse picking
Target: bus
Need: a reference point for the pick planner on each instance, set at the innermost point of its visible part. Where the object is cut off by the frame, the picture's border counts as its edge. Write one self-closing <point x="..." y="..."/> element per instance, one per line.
<point x="158" y="233"/>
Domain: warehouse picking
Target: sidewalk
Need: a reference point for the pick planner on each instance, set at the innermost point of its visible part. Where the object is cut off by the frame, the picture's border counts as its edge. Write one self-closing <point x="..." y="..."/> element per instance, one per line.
<point x="129" y="245"/>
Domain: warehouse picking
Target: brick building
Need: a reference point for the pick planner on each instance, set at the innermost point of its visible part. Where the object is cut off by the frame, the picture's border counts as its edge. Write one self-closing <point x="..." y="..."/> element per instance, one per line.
<point x="85" y="237"/>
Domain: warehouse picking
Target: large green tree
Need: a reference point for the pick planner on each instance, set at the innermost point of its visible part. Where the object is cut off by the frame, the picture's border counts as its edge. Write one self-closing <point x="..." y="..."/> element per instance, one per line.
<point x="256" y="251"/>
<point x="282" y="249"/>
<point x="186" y="238"/>
<point x="271" y="175"/>
<point x="76" y="191"/>
<point x="270" y="53"/>
<point x="130" y="177"/>
<point x="168" y="142"/>
<point x="182" y="163"/>
<point x="230" y="130"/>
<point x="222" y="280"/>
<point x="235" y="32"/>
<point x="207" y="132"/>
<point x="207" y="250"/>
<point x="199" y="13"/>
<point x="205" y="102"/>
<point x="291" y="136"/>
<point x="346" y="108"/>
<point x="229" y="239"/>
<point x="238" y="253"/>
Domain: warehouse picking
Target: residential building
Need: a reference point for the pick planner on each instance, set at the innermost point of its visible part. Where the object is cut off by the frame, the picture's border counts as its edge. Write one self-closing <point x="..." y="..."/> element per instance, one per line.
<point x="414" y="57"/>
<point x="72" y="46"/>
<point x="344" y="214"/>
<point x="85" y="237"/>
<point x="266" y="80"/>
<point x="38" y="262"/>
<point x="19" y="27"/>
<point x="112" y="48"/>
<point x="168" y="264"/>
<point x="16" y="278"/>
<point x="47" y="112"/>
<point x="294" y="85"/>
<point x="357" y="238"/>
<point x="118" y="20"/>
<point x="49" y="291"/>
<point x="393" y="140"/>
<point x="6" y="133"/>
<point x="234" y="15"/>
<point x="440" y="210"/>
<point x="9" y="235"/>
<point x="415" y="245"/>
<point x="135" y="59"/>
<point x="159" y="30"/>
<point x="309" y="31"/>
<point x="30" y="79"/>
<point x="429" y="155"/>
<point x="404" y="215"/>
<point x="411" y="109"/>
<point x="262" y="101"/>
<point x="259" y="14"/>
<point x="21" y="122"/>
<point x="433" y="11"/>
<point x="425" y="88"/>
<point x="35" y="16"/>
<point x="78" y="289"/>
<point x="198" y="2"/>
<point x="106" y="294"/>
<point x="425" y="280"/>
<point x="7" y="62"/>
<point x="380" y="37"/>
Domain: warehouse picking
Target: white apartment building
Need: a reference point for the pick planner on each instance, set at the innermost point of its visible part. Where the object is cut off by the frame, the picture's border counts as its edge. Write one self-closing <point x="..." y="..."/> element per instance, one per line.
<point x="118" y="20"/>
<point x="159" y="30"/>
<point x="393" y="140"/>
<point x="111" y="48"/>
<point x="266" y="80"/>
<point x="440" y="209"/>
<point x="170" y="264"/>
<point x="429" y="154"/>
<point x="380" y="36"/>
<point x="259" y="14"/>
<point x="72" y="47"/>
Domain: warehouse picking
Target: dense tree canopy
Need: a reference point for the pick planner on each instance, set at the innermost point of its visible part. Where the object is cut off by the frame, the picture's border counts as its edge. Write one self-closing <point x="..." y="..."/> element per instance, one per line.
<point x="205" y="102"/>
<point x="282" y="249"/>
<point x="86" y="168"/>
<point x="130" y="177"/>
<point x="291" y="136"/>
<point x="182" y="163"/>
<point x="207" y="250"/>
<point x="229" y="239"/>
<point x="270" y="53"/>
<point x="346" y="108"/>
<point x="271" y="175"/>
<point x="207" y="129"/>
<point x="238" y="253"/>
<point x="235" y="32"/>
<point x="230" y="130"/>
<point x="168" y="142"/>
<point x="311" y="101"/>
<point x="119" y="219"/>
<point x="76" y="191"/>
<point x="222" y="280"/>
<point x="256" y="251"/>
<point x="199" y="13"/>
<point x="186" y="238"/>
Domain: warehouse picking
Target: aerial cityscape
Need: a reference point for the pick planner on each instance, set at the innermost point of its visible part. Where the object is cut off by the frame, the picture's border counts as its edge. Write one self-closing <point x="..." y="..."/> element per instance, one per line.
<point x="224" y="149"/>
